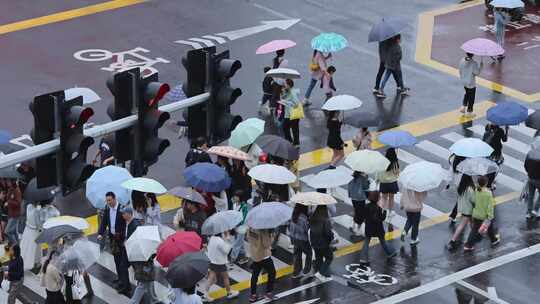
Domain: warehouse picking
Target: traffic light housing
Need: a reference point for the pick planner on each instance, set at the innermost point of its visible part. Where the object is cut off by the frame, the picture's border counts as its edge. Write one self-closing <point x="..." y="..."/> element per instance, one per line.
<point x="73" y="144"/>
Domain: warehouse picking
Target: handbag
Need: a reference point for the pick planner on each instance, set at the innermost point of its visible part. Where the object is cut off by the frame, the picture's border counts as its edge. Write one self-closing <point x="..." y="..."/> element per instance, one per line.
<point x="314" y="65"/>
<point x="297" y="112"/>
<point x="78" y="288"/>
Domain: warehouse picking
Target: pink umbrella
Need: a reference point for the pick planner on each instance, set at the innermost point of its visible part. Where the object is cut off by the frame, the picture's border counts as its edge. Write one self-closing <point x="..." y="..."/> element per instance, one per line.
<point x="275" y="45"/>
<point x="482" y="47"/>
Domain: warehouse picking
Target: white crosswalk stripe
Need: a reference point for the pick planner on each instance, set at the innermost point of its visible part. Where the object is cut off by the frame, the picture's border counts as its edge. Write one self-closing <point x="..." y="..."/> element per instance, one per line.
<point x="511" y="143"/>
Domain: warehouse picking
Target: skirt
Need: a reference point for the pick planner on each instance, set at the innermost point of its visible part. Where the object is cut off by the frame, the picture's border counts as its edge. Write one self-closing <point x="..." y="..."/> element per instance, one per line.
<point x="218" y="267"/>
<point x="389" y="187"/>
<point x="29" y="248"/>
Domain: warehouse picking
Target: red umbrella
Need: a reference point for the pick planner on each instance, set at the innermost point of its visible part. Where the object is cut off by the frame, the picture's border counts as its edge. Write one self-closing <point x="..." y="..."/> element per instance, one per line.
<point x="177" y="245"/>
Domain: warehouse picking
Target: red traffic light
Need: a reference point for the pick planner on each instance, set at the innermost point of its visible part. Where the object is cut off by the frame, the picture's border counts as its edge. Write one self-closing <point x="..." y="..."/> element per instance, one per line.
<point x="78" y="116"/>
<point x="155" y="91"/>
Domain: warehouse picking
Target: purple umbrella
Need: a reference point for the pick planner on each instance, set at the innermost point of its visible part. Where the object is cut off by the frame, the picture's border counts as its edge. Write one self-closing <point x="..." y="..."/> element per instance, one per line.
<point x="482" y="47"/>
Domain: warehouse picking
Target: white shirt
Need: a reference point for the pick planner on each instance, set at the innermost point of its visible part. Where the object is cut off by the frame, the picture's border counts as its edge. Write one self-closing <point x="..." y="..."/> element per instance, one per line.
<point x="180" y="297"/>
<point x="153" y="215"/>
<point x="112" y="218"/>
<point x="218" y="249"/>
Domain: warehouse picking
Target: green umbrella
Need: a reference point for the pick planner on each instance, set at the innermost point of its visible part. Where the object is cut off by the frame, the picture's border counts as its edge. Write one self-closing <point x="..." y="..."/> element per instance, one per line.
<point x="246" y="132"/>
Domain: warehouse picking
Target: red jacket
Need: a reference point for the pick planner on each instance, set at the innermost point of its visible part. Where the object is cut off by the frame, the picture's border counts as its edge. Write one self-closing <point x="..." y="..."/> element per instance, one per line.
<point x="14" y="198"/>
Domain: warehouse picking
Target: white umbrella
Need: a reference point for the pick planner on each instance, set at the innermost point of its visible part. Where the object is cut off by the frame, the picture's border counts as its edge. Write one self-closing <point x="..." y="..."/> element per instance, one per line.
<point x="144" y="184"/>
<point x="272" y="174"/>
<point x="221" y="222"/>
<point x="283" y="73"/>
<point x="367" y="161"/>
<point x="471" y="147"/>
<point x="108" y="179"/>
<point x="74" y="221"/>
<point x="507" y="3"/>
<point x="330" y="178"/>
<point x="88" y="95"/>
<point x="313" y="199"/>
<point x="477" y="166"/>
<point x="79" y="256"/>
<point x="268" y="215"/>
<point x="143" y="243"/>
<point x="342" y="103"/>
<point x="423" y="176"/>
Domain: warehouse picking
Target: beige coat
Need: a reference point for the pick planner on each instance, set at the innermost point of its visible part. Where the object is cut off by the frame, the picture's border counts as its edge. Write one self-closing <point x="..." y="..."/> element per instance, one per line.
<point x="52" y="279"/>
<point x="411" y="201"/>
<point x="260" y="244"/>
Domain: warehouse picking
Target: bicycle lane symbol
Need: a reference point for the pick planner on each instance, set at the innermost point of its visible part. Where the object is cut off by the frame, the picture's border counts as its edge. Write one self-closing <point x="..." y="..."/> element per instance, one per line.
<point x="362" y="274"/>
<point x="121" y="60"/>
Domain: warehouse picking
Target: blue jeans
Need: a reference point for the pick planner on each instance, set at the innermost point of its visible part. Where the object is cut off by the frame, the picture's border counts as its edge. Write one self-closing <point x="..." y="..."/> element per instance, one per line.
<point x="534" y="185"/>
<point x="142" y="289"/>
<point x="398" y="77"/>
<point x="312" y="84"/>
<point x="499" y="34"/>
<point x="238" y="247"/>
<point x="386" y="247"/>
<point x="12" y="230"/>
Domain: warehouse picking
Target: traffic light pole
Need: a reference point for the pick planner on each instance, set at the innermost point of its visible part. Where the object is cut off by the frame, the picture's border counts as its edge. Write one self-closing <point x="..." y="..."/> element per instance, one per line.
<point x="95" y="131"/>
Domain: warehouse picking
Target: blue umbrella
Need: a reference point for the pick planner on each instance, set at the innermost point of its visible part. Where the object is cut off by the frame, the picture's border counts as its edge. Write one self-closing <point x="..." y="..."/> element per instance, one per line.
<point x="207" y="177"/>
<point x="329" y="42"/>
<point x="175" y="94"/>
<point x="507" y="114"/>
<point x="107" y="179"/>
<point x="5" y="137"/>
<point x="387" y="28"/>
<point x="397" y="139"/>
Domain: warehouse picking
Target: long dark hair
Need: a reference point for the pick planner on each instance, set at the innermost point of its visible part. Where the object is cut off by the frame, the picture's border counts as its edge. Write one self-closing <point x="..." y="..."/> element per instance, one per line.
<point x="320" y="214"/>
<point x="298" y="209"/>
<point x="392" y="157"/>
<point x="47" y="261"/>
<point x="457" y="159"/>
<point x="466" y="182"/>
<point x="153" y="199"/>
<point x="279" y="54"/>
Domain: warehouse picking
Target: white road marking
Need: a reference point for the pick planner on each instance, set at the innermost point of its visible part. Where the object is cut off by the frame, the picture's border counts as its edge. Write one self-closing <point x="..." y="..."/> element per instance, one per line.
<point x="289" y="292"/>
<point x="194" y="45"/>
<point x="407" y="157"/>
<point x="204" y="41"/>
<point x="493" y="297"/>
<point x="434" y="149"/>
<point x="427" y="210"/>
<point x="218" y="39"/>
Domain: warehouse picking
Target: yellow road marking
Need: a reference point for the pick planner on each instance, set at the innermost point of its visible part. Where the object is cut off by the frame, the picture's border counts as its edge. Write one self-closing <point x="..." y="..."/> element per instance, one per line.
<point x="66" y="15"/>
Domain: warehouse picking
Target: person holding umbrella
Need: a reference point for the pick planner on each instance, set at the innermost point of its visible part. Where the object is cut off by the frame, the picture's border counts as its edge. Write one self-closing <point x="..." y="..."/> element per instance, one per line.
<point x="218" y="252"/>
<point x="317" y="67"/>
<point x="298" y="232"/>
<point x="260" y="249"/>
<point x="290" y="100"/>
<point x="334" y="140"/>
<point x="53" y="280"/>
<point x="501" y="17"/>
<point x="532" y="162"/>
<point x="465" y="202"/>
<point x="194" y="216"/>
<point x="388" y="181"/>
<point x="495" y="136"/>
<point x="358" y="190"/>
<point x="198" y="153"/>
<point x="468" y="70"/>
<point x="412" y="203"/>
<point x="393" y="66"/>
<point x="383" y="53"/>
<point x="321" y="237"/>
<point x="363" y="139"/>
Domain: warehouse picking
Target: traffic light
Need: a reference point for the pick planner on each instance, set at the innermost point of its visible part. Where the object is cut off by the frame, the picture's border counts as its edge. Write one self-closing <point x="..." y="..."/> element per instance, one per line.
<point x="73" y="144"/>
<point x="222" y="122"/>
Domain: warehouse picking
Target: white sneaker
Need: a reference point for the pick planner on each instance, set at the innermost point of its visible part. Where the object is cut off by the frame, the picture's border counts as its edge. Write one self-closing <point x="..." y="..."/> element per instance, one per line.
<point x="233" y="294"/>
<point x="319" y="276"/>
<point x="206" y="298"/>
<point x="462" y="109"/>
<point x="415" y="241"/>
<point x="535" y="213"/>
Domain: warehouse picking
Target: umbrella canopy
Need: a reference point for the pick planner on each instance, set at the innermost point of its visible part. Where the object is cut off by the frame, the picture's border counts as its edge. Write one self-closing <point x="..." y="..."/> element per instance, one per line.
<point x="88" y="95"/>
<point x="387" y="28"/>
<point x="507" y="114"/>
<point x="176" y="245"/>
<point x="532" y="163"/>
<point x="272" y="174"/>
<point x="143" y="243"/>
<point x="330" y="178"/>
<point x="363" y="120"/>
<point x="329" y="42"/>
<point x="277" y="146"/>
<point x="397" y="138"/>
<point x="79" y="256"/>
<point x="50" y="235"/>
<point x="274" y="45"/>
<point x="34" y="194"/>
<point x="76" y="222"/>
<point x="221" y="222"/>
<point x="477" y="166"/>
<point x="144" y="184"/>
<point x="471" y="147"/>
<point x="175" y="94"/>
<point x="229" y="152"/>
<point x="313" y="199"/>
<point x="533" y="121"/>
<point x="246" y="132"/>
<point x="423" y="176"/>
<point x="5" y="136"/>
<point x="482" y="47"/>
<point x="10" y="172"/>
<point x="189" y="194"/>
<point x="367" y="161"/>
<point x="103" y="180"/>
<point x="507" y="3"/>
<point x="207" y="177"/>
<point x="342" y="103"/>
<point x="268" y="215"/>
<point x="283" y="73"/>
<point x="185" y="271"/>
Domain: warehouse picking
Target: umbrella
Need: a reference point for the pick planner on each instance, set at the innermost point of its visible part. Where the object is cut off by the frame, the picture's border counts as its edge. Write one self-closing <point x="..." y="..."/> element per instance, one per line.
<point x="477" y="166"/>
<point x="397" y="138"/>
<point x="274" y="45"/>
<point x="533" y="121"/>
<point x="507" y="3"/>
<point x="283" y="73"/>
<point x="185" y="271"/>
<point x="51" y="234"/>
<point x="175" y="94"/>
<point x="329" y="42"/>
<point x="330" y="178"/>
<point x="207" y="177"/>
<point x="507" y="113"/>
<point x="482" y="47"/>
<point x="367" y="161"/>
<point x="229" y="152"/>
<point x="34" y="194"/>
<point x="103" y="180"/>
<point x="342" y="103"/>
<point x="471" y="147"/>
<point x="142" y="243"/>
<point x="73" y="221"/>
<point x="144" y="184"/>
<point x="313" y="199"/>
<point x="422" y="176"/>
<point x="9" y="147"/>
<point x="221" y="222"/>
<point x="246" y="132"/>
<point x="268" y="215"/>
<point x="387" y="28"/>
<point x="176" y="245"/>
<point x="5" y="137"/>
<point x="10" y="172"/>
<point x="277" y="146"/>
<point x="532" y="162"/>
<point x="189" y="194"/>
<point x="363" y="120"/>
<point x="272" y="174"/>
<point x="79" y="256"/>
<point x="88" y="95"/>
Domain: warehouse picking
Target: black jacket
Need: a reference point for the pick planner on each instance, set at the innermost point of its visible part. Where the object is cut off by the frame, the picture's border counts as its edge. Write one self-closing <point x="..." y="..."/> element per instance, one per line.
<point x="120" y="226"/>
<point x="374" y="220"/>
<point x="197" y="156"/>
<point x="320" y="234"/>
<point x="15" y="269"/>
<point x="131" y="227"/>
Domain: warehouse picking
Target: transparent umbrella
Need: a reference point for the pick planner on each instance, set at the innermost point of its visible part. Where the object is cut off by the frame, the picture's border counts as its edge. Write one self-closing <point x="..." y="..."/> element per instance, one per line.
<point x="79" y="256"/>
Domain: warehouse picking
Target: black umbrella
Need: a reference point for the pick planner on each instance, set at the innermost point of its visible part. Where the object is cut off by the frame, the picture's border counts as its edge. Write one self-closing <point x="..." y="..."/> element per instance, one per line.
<point x="52" y="234"/>
<point x="277" y="146"/>
<point x="532" y="163"/>
<point x="533" y="121"/>
<point x="34" y="194"/>
<point x="363" y="120"/>
<point x="188" y="194"/>
<point x="10" y="172"/>
<point x="188" y="269"/>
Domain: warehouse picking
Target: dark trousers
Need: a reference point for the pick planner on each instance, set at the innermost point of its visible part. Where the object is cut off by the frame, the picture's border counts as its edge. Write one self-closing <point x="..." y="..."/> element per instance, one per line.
<point x="323" y="259"/>
<point x="299" y="248"/>
<point x="380" y="73"/>
<point x="453" y="214"/>
<point x="475" y="237"/>
<point x="122" y="265"/>
<point x="468" y="98"/>
<point x="256" y="267"/>
<point x="359" y="212"/>
<point x="292" y="125"/>
<point x="413" y="221"/>
<point x="398" y="77"/>
<point x="55" y="297"/>
<point x="266" y="97"/>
